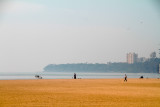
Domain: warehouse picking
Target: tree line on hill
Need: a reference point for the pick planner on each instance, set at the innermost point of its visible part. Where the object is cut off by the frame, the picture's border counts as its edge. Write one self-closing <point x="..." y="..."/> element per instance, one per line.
<point x="149" y="66"/>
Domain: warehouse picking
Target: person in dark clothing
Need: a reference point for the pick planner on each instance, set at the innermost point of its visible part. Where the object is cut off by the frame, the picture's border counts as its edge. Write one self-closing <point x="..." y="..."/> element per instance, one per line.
<point x="141" y="77"/>
<point x="125" y="78"/>
<point x="74" y="75"/>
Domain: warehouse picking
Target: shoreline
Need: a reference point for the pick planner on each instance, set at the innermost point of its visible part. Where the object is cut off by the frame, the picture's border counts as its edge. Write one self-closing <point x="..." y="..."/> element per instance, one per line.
<point x="80" y="79"/>
<point x="79" y="75"/>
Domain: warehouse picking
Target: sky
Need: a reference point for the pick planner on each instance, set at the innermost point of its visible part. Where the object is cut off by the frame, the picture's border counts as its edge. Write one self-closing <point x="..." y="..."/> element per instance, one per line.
<point x="35" y="33"/>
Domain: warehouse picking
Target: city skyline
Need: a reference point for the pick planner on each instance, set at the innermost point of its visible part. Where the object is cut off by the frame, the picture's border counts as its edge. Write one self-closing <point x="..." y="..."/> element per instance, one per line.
<point x="36" y="33"/>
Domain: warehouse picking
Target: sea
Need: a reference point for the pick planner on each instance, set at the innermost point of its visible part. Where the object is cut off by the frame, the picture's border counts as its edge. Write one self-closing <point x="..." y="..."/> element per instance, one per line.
<point x="69" y="75"/>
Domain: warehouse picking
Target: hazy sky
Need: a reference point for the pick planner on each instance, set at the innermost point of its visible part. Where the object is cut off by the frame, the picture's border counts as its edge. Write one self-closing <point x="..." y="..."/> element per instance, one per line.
<point x="35" y="33"/>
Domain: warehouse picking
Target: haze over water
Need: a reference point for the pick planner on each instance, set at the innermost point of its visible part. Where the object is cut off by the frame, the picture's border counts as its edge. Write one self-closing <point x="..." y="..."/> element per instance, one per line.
<point x="36" y="33"/>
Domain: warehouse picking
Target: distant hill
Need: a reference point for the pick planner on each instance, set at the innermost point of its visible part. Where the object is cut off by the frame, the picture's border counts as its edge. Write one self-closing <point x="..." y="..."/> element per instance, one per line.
<point x="150" y="66"/>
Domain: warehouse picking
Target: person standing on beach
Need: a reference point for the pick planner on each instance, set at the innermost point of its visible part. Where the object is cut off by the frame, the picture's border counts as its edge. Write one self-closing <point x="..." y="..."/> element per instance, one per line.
<point x="74" y="75"/>
<point x="125" y="78"/>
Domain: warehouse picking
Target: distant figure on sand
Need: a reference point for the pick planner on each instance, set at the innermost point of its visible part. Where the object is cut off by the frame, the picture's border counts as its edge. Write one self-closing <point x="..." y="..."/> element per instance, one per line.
<point x="74" y="75"/>
<point x="38" y="77"/>
<point x="125" y="78"/>
<point x="141" y="77"/>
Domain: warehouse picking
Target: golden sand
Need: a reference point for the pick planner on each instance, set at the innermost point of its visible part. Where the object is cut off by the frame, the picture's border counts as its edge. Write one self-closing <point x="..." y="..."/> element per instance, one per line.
<point x="80" y="93"/>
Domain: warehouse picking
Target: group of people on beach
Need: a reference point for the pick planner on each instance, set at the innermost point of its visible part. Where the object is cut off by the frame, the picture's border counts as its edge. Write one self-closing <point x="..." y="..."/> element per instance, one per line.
<point x="125" y="77"/>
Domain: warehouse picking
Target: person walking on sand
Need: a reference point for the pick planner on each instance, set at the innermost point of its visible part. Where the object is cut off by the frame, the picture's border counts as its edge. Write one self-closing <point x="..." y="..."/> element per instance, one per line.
<point x="74" y="75"/>
<point x="125" y="78"/>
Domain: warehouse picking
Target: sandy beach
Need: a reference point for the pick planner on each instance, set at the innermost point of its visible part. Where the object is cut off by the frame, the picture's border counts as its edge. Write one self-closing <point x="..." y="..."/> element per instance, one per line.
<point x="80" y="93"/>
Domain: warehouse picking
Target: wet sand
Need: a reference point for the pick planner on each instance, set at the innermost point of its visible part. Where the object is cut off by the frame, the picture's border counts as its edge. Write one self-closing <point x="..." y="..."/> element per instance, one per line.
<point x="80" y="93"/>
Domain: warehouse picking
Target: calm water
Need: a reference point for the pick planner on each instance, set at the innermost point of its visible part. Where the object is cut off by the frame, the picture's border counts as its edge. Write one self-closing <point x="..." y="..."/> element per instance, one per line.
<point x="62" y="75"/>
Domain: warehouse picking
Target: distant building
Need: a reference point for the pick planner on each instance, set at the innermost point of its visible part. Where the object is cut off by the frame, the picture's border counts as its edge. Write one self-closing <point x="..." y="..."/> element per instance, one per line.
<point x="132" y="58"/>
<point x="141" y="59"/>
<point x="153" y="55"/>
<point x="159" y="68"/>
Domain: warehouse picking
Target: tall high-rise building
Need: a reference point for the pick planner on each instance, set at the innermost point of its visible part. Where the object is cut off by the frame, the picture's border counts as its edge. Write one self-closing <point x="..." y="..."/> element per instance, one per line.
<point x="132" y="58"/>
